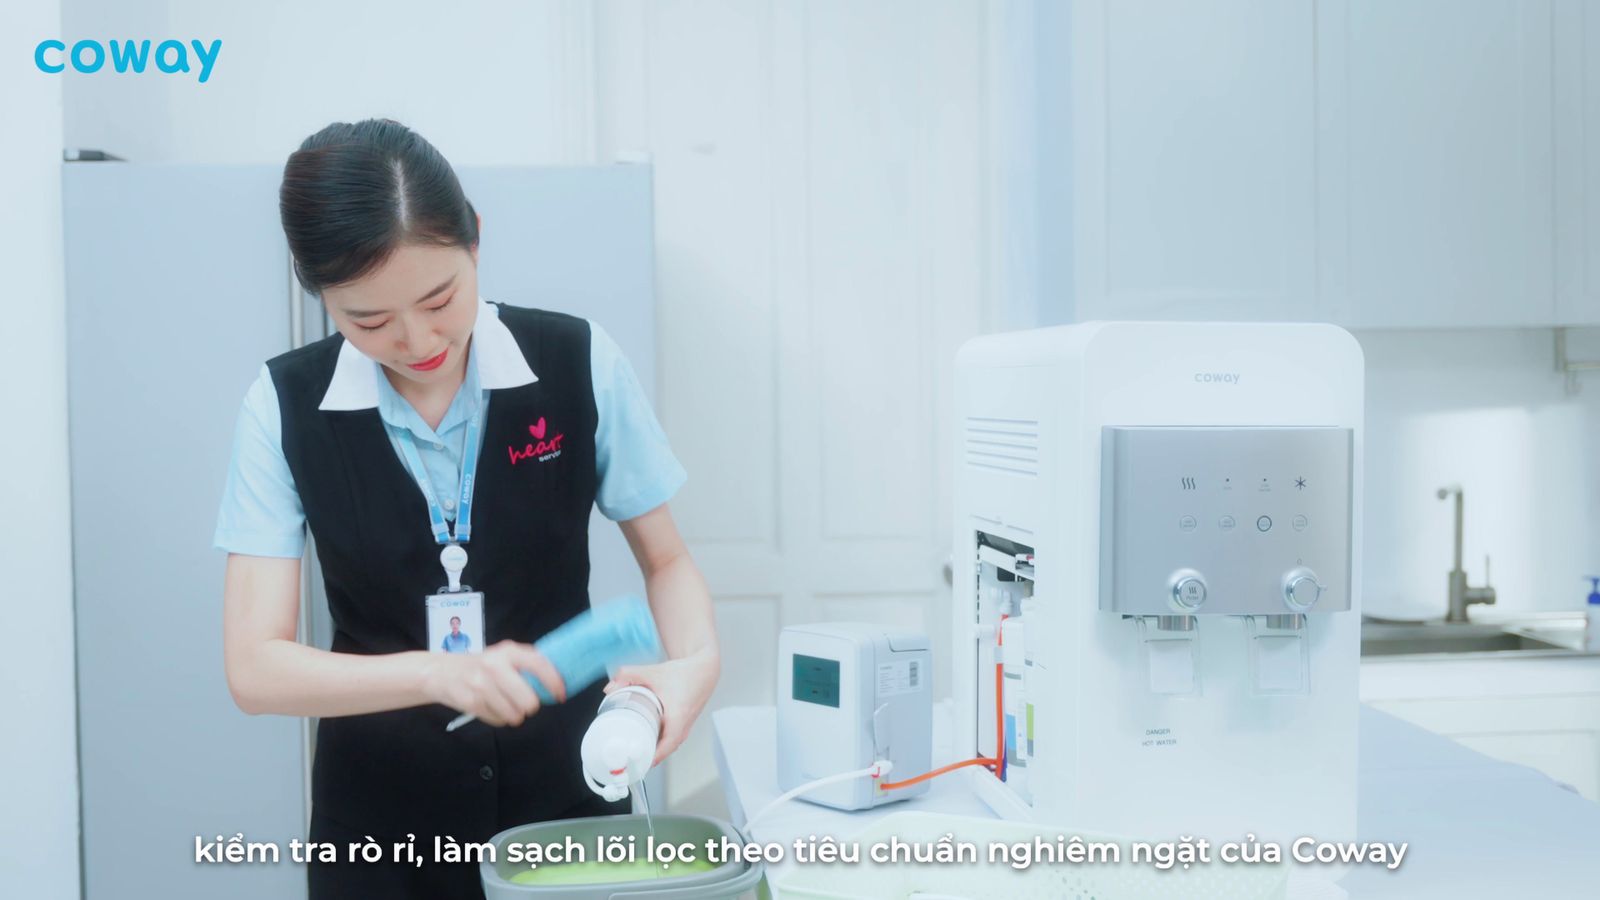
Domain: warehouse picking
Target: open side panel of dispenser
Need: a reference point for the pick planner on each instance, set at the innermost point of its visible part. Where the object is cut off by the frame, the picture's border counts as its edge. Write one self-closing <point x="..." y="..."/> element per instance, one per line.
<point x="1002" y="602"/>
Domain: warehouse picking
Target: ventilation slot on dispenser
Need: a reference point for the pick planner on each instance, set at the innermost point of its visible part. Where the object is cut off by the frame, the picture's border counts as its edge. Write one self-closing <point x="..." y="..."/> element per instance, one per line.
<point x="1008" y="445"/>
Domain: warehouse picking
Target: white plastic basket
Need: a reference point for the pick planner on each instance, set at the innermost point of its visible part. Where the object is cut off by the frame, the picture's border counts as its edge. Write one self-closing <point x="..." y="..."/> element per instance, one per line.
<point x="1042" y="881"/>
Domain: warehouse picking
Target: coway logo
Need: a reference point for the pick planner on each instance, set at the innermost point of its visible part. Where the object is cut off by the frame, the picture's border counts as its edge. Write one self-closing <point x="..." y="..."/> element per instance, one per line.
<point x="90" y="56"/>
<point x="1217" y="377"/>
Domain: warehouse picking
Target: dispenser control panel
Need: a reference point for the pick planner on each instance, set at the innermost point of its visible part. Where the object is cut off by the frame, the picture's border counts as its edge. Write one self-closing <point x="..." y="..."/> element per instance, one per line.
<point x="1227" y="521"/>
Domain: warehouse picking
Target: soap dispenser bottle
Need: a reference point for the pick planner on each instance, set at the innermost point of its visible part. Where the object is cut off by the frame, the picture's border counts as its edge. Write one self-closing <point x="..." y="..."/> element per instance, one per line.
<point x="1591" y="629"/>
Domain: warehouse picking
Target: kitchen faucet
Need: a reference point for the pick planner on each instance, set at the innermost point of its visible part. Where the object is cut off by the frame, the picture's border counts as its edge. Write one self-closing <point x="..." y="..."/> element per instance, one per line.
<point x="1461" y="595"/>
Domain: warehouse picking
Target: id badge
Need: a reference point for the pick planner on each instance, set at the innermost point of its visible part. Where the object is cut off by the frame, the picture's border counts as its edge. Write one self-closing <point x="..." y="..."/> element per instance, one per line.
<point x="455" y="622"/>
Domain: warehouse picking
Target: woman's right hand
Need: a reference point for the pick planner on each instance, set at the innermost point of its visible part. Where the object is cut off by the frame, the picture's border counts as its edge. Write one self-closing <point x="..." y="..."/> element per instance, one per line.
<point x="490" y="685"/>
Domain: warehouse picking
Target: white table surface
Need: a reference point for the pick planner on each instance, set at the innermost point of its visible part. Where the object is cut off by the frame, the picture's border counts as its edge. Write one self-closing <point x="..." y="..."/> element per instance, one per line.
<point x="1476" y="827"/>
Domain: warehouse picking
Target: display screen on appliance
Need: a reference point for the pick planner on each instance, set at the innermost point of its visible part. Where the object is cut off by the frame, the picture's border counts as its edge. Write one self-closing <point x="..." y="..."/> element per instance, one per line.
<point x="816" y="680"/>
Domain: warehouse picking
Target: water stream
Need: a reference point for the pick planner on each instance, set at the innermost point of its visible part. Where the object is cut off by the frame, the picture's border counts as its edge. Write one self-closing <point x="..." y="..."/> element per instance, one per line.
<point x="642" y="801"/>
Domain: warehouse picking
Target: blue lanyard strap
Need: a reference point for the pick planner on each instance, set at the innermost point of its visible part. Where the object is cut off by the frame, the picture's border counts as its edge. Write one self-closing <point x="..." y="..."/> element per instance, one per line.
<point x="469" y="472"/>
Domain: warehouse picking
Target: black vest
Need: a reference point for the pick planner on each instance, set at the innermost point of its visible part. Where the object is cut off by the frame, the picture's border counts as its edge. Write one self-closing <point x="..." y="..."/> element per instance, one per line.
<point x="399" y="772"/>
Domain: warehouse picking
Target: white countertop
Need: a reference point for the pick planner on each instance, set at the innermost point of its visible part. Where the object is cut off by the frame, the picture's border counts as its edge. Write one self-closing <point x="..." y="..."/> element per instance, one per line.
<point x="1476" y="827"/>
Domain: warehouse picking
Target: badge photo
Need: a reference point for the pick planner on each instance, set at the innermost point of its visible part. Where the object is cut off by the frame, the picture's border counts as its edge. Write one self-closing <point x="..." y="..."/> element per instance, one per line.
<point x="455" y="622"/>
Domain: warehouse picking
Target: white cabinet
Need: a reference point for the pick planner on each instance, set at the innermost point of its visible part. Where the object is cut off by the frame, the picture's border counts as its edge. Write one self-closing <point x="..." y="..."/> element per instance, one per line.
<point x="1541" y="713"/>
<point x="1445" y="138"/>
<point x="1427" y="164"/>
<point x="1194" y="153"/>
<point x="1577" y="161"/>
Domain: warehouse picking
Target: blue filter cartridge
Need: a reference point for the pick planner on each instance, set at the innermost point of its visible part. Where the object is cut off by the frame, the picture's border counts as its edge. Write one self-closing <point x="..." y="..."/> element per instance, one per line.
<point x="618" y="632"/>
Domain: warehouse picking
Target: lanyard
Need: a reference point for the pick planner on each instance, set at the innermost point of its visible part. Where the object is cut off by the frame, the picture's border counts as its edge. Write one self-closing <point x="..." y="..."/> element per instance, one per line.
<point x="469" y="471"/>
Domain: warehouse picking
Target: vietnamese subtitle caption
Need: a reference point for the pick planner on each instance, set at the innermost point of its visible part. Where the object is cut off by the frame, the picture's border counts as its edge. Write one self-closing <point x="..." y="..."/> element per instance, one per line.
<point x="1183" y="853"/>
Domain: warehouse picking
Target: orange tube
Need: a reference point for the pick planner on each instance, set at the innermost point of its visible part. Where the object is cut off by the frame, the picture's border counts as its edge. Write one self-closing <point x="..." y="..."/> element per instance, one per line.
<point x="1000" y="701"/>
<point x="894" y="785"/>
<point x="995" y="764"/>
<point x="999" y="722"/>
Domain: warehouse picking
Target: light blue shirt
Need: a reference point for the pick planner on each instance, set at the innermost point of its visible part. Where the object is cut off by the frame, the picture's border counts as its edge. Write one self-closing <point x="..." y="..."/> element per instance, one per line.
<point x="456" y="643"/>
<point x="261" y="514"/>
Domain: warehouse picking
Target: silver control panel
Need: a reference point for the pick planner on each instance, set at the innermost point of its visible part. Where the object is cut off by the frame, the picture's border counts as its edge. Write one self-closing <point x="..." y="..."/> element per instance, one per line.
<point x="1225" y="521"/>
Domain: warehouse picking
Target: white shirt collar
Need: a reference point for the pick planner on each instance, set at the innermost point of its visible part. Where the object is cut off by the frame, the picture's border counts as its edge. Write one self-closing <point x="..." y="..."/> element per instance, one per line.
<point x="494" y="351"/>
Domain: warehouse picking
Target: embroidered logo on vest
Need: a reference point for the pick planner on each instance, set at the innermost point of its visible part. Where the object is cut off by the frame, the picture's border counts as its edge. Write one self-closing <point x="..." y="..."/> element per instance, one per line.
<point x="542" y="449"/>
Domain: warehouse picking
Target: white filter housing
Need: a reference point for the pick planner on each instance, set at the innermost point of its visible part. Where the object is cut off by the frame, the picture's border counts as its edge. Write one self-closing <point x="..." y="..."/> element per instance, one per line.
<point x="1172" y="509"/>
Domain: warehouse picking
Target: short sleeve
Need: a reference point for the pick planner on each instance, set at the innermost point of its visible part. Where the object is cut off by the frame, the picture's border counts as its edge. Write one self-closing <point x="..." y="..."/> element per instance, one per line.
<point x="633" y="460"/>
<point x="261" y="513"/>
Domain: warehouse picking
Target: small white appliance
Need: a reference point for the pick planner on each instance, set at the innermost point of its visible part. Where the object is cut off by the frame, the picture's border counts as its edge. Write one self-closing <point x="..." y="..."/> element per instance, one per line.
<point x="850" y="694"/>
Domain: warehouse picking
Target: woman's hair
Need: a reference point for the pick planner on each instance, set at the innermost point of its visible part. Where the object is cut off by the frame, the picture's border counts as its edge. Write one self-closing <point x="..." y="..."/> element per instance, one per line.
<point x="353" y="194"/>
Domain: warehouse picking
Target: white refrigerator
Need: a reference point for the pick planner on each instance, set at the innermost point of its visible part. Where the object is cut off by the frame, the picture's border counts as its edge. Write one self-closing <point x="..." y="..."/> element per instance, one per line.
<point x="178" y="289"/>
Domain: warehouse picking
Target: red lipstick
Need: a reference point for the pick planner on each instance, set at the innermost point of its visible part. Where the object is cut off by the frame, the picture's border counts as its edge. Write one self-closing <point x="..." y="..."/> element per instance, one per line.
<point x="430" y="364"/>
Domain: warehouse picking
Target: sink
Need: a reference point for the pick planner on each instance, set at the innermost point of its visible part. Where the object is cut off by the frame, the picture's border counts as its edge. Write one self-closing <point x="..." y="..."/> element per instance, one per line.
<point x="1384" y="639"/>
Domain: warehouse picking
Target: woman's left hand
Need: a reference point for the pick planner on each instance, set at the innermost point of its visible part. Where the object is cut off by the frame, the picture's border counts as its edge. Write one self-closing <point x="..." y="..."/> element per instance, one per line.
<point x="683" y="686"/>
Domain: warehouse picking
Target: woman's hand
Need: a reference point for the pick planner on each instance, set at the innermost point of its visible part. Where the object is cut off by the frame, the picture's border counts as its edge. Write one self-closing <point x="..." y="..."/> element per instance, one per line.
<point x="490" y="685"/>
<point x="683" y="685"/>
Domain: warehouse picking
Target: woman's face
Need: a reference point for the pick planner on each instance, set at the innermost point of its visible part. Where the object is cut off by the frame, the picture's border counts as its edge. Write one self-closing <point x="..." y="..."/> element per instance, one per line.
<point x="414" y="314"/>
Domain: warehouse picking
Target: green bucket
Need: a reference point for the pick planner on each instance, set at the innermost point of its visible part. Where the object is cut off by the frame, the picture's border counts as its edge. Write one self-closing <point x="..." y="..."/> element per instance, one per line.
<point x="592" y="880"/>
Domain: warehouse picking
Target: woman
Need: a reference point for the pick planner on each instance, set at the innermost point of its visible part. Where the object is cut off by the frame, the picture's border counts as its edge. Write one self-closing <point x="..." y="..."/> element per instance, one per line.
<point x="432" y="420"/>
